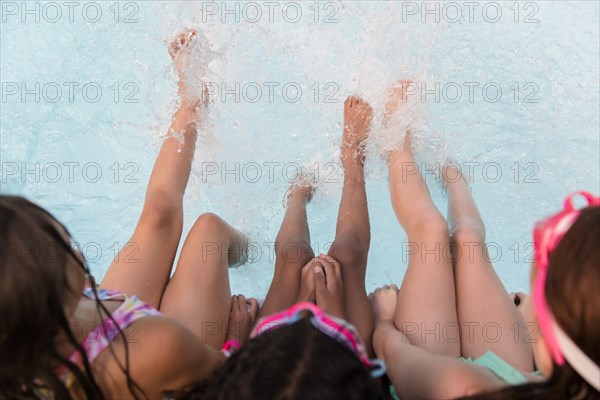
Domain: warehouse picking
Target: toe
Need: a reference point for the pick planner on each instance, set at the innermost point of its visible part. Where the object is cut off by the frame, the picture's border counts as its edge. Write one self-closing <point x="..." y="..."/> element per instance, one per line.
<point x="174" y="48"/>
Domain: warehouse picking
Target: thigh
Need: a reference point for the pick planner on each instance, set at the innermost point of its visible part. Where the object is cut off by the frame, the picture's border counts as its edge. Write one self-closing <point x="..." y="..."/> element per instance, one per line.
<point x="199" y="295"/>
<point x="143" y="265"/>
<point x="489" y="319"/>
<point x="426" y="309"/>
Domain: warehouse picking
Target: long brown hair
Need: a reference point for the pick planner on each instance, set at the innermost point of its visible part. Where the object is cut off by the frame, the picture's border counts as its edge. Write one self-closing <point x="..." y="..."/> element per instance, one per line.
<point x="34" y="288"/>
<point x="572" y="289"/>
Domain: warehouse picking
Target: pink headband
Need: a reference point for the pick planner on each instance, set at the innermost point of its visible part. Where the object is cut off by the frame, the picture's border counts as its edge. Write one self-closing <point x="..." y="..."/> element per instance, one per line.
<point x="546" y="235"/>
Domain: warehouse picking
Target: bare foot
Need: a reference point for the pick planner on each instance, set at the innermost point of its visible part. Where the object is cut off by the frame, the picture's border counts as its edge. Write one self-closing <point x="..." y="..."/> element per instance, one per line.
<point x="383" y="302"/>
<point x="182" y="41"/>
<point x="302" y="188"/>
<point x="397" y="96"/>
<point x="358" y="115"/>
<point x="179" y="50"/>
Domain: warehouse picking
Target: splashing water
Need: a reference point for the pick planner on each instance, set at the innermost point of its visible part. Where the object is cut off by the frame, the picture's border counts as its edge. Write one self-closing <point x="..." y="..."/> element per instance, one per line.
<point x="276" y="100"/>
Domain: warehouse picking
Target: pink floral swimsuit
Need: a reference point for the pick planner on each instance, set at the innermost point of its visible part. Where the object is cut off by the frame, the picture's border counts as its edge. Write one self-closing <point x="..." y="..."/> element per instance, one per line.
<point x="102" y="335"/>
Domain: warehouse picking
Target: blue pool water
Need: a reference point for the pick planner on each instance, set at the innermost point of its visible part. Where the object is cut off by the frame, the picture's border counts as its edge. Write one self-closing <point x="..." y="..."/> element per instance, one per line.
<point x="511" y="92"/>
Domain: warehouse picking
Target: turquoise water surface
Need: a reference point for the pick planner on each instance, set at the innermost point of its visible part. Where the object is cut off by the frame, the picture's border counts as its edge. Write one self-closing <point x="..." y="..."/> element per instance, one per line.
<point x="508" y="89"/>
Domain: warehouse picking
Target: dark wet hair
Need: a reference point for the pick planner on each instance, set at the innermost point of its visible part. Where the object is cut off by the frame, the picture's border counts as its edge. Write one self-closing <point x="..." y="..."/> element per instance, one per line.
<point x="291" y="363"/>
<point x="572" y="288"/>
<point x="34" y="288"/>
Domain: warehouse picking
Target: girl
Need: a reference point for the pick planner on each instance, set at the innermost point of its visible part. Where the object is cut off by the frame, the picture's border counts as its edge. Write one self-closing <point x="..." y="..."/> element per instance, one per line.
<point x="446" y="304"/>
<point x="299" y="350"/>
<point x="145" y="335"/>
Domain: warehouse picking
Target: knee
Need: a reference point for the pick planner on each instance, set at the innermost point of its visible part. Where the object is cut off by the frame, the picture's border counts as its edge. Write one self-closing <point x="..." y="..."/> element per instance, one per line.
<point x="162" y="212"/>
<point x="431" y="225"/>
<point x="468" y="233"/>
<point x="217" y="240"/>
<point x="350" y="251"/>
<point x="296" y="253"/>
<point x="210" y="225"/>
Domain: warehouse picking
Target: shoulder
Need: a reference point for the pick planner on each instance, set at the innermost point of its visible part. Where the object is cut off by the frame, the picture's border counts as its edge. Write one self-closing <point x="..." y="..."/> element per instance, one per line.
<point x="163" y="355"/>
<point x="184" y="358"/>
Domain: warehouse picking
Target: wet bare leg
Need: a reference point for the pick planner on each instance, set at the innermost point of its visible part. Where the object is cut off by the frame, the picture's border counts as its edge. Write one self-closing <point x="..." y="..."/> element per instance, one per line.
<point x="353" y="231"/>
<point x="481" y="297"/>
<point x="292" y="250"/>
<point x="144" y="264"/>
<point x="199" y="294"/>
<point x="426" y="310"/>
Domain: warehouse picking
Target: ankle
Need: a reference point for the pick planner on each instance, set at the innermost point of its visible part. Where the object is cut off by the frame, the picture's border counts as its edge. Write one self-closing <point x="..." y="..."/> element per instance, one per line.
<point x="298" y="198"/>
<point x="354" y="175"/>
<point x="353" y="166"/>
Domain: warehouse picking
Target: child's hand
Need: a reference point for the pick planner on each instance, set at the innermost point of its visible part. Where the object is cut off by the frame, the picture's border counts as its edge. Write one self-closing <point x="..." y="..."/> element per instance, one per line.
<point x="329" y="286"/>
<point x="242" y="318"/>
<point x="307" y="283"/>
<point x="383" y="302"/>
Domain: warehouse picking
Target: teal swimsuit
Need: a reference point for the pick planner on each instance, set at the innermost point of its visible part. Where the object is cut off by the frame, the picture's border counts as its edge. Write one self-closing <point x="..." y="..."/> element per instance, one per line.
<point x="498" y="366"/>
<point x="491" y="361"/>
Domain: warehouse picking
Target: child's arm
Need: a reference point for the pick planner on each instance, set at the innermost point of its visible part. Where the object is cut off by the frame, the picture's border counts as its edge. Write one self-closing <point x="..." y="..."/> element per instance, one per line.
<point x="416" y="373"/>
